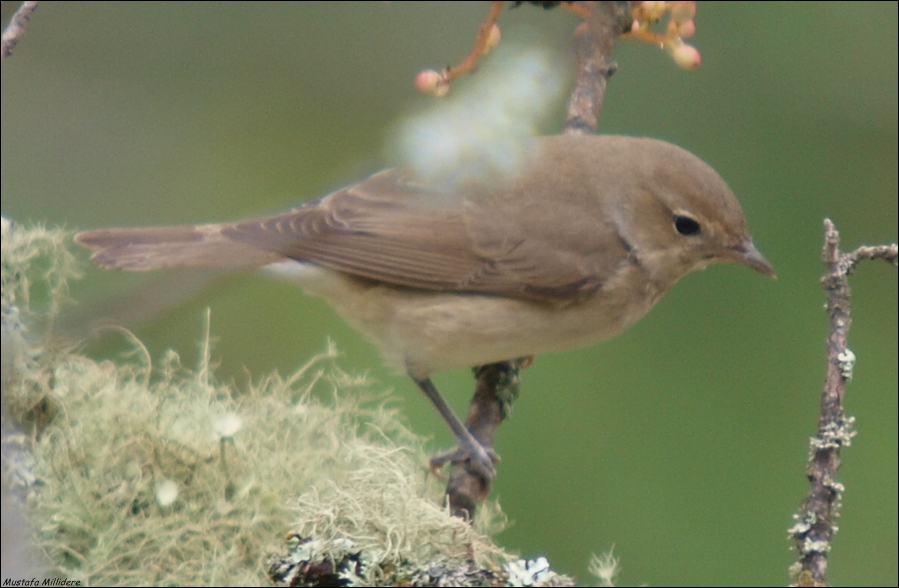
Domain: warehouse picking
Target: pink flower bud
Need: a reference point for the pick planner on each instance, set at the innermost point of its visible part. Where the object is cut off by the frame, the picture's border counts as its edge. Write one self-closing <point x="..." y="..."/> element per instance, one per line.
<point x="431" y="82"/>
<point x="685" y="56"/>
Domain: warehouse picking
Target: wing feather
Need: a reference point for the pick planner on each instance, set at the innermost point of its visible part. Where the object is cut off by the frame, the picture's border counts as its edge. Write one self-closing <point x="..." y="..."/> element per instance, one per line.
<point x="391" y="229"/>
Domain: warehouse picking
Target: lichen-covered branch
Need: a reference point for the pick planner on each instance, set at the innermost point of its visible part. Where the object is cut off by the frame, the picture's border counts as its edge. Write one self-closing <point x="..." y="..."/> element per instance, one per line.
<point x="816" y="521"/>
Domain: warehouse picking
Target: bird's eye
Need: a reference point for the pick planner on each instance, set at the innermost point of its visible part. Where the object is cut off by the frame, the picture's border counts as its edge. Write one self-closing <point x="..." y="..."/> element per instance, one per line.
<point x="686" y="225"/>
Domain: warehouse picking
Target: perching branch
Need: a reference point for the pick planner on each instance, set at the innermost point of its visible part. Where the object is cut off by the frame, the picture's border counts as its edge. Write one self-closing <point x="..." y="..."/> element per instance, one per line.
<point x="496" y="388"/>
<point x="816" y="520"/>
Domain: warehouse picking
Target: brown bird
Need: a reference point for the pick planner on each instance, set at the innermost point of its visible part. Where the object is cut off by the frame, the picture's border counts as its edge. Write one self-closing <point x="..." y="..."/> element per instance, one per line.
<point x="571" y="249"/>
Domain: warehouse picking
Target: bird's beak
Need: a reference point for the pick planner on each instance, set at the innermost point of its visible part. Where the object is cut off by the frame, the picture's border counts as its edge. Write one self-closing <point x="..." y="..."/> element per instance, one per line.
<point x="746" y="254"/>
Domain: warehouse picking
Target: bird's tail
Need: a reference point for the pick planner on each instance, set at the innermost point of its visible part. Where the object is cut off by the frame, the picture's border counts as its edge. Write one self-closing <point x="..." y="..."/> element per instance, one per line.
<point x="142" y="249"/>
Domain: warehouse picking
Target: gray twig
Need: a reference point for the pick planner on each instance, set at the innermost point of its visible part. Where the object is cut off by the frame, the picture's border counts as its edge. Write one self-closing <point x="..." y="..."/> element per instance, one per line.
<point x="816" y="520"/>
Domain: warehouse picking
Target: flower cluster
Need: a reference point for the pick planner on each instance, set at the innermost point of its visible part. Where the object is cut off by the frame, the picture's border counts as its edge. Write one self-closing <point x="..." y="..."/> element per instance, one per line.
<point x="680" y="26"/>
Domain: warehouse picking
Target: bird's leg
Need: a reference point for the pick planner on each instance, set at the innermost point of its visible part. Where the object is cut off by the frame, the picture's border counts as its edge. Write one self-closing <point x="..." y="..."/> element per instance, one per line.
<point x="497" y="387"/>
<point x="480" y="458"/>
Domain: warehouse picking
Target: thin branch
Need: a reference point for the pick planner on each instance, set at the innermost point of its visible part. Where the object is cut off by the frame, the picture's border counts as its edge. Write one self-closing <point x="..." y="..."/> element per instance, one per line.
<point x="467" y="64"/>
<point x="16" y="29"/>
<point x="594" y="41"/>
<point x="816" y="520"/>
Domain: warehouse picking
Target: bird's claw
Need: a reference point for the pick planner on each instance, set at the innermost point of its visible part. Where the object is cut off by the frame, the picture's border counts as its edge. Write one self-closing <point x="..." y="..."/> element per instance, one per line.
<point x="479" y="460"/>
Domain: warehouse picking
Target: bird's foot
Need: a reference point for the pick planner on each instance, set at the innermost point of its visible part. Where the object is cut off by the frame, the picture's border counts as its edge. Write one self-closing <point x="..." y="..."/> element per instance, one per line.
<point x="478" y="460"/>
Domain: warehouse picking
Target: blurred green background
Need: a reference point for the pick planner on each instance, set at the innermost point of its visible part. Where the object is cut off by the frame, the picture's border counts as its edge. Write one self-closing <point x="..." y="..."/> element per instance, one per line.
<point x="681" y="442"/>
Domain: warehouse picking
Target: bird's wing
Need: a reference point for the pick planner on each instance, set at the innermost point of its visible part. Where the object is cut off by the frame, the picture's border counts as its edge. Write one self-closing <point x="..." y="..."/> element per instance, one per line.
<point x="391" y="229"/>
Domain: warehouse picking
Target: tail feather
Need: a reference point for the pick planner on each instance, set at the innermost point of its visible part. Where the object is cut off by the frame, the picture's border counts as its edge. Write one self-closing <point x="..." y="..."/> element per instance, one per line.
<point x="141" y="249"/>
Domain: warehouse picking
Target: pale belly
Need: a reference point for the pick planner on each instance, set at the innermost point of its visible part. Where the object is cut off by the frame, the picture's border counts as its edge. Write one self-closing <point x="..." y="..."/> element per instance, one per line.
<point x="421" y="332"/>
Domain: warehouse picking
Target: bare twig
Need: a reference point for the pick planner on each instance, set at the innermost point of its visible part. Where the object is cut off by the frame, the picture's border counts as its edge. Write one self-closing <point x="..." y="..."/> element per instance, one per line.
<point x="816" y="520"/>
<point x="16" y="29"/>
<point x="467" y="64"/>
<point x="594" y="42"/>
